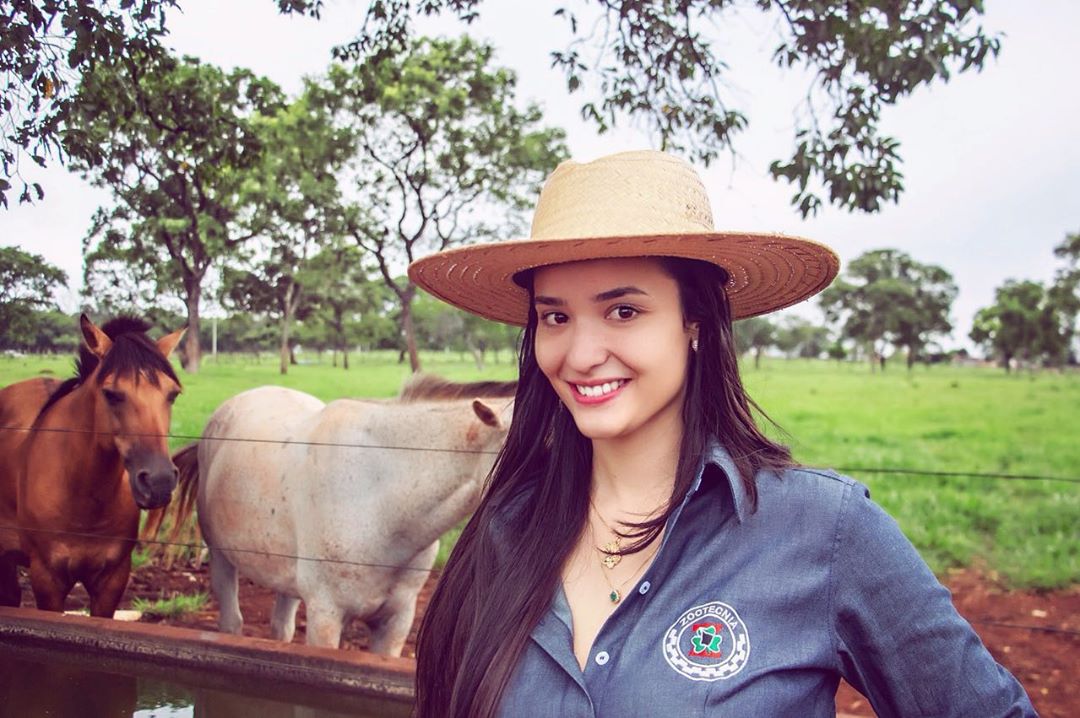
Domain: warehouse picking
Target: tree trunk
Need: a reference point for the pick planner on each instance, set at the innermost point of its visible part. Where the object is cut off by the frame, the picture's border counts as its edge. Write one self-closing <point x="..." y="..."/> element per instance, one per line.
<point x="192" y="350"/>
<point x="910" y="357"/>
<point x="284" y="350"/>
<point x="757" y="357"/>
<point x="286" y="325"/>
<point x="345" y="358"/>
<point x="407" y="326"/>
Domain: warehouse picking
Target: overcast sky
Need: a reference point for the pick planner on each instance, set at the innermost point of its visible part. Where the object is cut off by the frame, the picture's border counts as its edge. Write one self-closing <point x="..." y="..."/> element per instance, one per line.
<point x="991" y="160"/>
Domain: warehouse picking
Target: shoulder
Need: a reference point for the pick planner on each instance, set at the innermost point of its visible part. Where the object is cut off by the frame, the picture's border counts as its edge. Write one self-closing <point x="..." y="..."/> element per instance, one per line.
<point x="807" y="489"/>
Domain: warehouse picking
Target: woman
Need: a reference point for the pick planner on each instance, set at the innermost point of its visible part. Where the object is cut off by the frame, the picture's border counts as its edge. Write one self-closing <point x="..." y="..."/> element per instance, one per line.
<point x="642" y="547"/>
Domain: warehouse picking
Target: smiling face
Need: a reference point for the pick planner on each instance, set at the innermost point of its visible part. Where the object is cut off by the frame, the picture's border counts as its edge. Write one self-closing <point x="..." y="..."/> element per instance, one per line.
<point x="612" y="341"/>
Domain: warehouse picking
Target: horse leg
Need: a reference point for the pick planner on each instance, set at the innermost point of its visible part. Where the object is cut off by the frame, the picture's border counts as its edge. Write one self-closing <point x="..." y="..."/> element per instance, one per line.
<point x="324" y="620"/>
<point x="226" y="586"/>
<point x="283" y="622"/>
<point x="396" y="616"/>
<point x="107" y="588"/>
<point x="50" y="589"/>
<point x="10" y="591"/>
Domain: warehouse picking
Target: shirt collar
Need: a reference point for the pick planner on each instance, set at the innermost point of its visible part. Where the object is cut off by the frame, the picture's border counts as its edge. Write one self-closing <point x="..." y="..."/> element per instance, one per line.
<point x="717" y="456"/>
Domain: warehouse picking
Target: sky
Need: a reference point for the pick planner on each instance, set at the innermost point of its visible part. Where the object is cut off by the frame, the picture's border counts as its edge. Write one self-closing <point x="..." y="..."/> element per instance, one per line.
<point x="991" y="160"/>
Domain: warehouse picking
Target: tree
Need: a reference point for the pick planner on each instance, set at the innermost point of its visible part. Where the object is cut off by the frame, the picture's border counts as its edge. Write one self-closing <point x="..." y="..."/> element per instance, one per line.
<point x="1064" y="294"/>
<point x="350" y="305"/>
<point x="802" y="338"/>
<point x="442" y="154"/>
<point x="27" y="284"/>
<point x="754" y="333"/>
<point x="174" y="142"/>
<point x="297" y="193"/>
<point x="274" y="291"/>
<point x="1032" y="322"/>
<point x="654" y="64"/>
<point x="45" y="45"/>
<point x="886" y="297"/>
<point x="1012" y="326"/>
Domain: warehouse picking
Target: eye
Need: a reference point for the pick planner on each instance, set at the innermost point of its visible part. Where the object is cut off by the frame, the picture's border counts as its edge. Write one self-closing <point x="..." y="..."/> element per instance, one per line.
<point x="171" y="398"/>
<point x="115" y="398"/>
<point x="553" y="319"/>
<point x="623" y="312"/>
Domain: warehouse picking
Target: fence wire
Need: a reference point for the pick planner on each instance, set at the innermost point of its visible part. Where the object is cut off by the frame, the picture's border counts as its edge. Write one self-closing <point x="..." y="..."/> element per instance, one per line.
<point x="899" y="471"/>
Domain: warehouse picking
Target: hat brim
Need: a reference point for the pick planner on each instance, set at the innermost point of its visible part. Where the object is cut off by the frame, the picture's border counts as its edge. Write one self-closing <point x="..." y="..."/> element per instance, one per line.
<point x="766" y="272"/>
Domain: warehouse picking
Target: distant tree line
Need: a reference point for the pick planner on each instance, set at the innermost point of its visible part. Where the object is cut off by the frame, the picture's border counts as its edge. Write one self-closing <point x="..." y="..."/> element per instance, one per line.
<point x="885" y="302"/>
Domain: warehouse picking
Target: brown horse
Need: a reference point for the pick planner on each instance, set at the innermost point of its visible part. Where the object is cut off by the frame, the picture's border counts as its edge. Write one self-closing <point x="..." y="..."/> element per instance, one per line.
<point x="78" y="460"/>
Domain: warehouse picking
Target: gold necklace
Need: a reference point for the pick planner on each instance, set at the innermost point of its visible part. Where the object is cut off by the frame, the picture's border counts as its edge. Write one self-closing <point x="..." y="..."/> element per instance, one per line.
<point x="610" y="550"/>
<point x="616" y="592"/>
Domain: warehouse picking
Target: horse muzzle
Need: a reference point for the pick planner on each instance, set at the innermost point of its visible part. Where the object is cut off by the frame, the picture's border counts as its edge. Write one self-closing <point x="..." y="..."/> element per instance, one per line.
<point x="153" y="478"/>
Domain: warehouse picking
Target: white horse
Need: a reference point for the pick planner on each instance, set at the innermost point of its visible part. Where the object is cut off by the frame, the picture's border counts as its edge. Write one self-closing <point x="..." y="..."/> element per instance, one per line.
<point x="340" y="505"/>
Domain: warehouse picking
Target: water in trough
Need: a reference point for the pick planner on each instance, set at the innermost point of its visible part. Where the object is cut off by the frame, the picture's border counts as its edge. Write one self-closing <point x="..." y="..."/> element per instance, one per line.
<point x="39" y="683"/>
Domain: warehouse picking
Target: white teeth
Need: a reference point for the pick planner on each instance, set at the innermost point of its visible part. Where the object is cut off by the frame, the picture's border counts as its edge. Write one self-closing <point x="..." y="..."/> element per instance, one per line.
<point x="598" y="390"/>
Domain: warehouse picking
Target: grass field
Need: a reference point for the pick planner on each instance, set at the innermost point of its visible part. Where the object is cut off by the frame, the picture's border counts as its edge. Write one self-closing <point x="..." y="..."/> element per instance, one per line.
<point x="837" y="415"/>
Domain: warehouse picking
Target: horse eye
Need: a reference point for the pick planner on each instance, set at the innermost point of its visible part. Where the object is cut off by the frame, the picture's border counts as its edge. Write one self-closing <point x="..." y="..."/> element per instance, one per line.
<point x="172" y="396"/>
<point x="113" y="397"/>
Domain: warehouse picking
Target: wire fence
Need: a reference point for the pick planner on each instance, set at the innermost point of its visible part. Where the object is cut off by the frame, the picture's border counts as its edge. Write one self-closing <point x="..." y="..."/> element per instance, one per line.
<point x="197" y="548"/>
<point x="889" y="470"/>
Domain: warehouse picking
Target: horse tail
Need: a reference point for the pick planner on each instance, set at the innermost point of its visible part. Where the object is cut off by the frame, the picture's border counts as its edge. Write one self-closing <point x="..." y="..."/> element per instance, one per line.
<point x="182" y="507"/>
<point x="187" y="487"/>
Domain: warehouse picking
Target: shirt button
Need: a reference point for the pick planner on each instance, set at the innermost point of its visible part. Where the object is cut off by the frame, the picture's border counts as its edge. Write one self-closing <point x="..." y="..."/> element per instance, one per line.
<point x="602" y="658"/>
<point x="644" y="587"/>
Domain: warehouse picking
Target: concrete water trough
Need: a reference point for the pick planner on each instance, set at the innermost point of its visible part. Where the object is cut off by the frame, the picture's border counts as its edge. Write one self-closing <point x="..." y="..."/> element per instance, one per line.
<point x="348" y="681"/>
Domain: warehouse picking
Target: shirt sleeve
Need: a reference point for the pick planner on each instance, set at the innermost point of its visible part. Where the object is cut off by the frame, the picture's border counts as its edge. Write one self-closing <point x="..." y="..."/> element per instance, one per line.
<point x="899" y="639"/>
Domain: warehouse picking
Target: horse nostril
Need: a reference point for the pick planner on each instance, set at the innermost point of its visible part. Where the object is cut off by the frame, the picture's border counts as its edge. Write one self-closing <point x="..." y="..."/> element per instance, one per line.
<point x="142" y="480"/>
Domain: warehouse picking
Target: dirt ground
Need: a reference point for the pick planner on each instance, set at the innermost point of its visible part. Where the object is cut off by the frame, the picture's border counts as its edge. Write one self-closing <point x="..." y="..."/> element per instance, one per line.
<point x="1036" y="635"/>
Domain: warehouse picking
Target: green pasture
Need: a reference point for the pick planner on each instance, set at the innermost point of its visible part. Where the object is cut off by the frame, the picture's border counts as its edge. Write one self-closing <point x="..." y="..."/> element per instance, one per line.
<point x="837" y="415"/>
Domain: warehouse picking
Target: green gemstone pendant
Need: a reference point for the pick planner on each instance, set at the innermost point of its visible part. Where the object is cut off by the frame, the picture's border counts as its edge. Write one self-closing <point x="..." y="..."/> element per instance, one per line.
<point x="614" y="596"/>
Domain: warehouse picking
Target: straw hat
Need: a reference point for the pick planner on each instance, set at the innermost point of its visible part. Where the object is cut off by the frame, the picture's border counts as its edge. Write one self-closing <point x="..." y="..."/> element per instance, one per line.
<point x="631" y="204"/>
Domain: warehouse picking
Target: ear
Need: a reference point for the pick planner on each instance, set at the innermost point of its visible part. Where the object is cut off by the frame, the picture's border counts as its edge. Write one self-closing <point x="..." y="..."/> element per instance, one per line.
<point x="168" y="342"/>
<point x="486" y="414"/>
<point x="97" y="341"/>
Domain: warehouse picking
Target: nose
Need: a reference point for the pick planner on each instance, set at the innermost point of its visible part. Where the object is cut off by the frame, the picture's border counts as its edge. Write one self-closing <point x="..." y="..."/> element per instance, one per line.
<point x="588" y="348"/>
<point x="153" y="484"/>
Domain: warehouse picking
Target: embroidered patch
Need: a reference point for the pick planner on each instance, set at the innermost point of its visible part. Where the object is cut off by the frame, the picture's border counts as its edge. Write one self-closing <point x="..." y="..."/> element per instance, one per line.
<point x="708" y="643"/>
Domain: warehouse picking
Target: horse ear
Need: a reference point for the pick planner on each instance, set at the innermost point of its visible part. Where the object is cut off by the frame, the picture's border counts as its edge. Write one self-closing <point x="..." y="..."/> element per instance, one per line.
<point x="167" y="343"/>
<point x="486" y="414"/>
<point x="97" y="341"/>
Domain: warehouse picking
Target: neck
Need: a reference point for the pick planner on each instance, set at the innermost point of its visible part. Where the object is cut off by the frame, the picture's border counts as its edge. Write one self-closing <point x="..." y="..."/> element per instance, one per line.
<point x="636" y="475"/>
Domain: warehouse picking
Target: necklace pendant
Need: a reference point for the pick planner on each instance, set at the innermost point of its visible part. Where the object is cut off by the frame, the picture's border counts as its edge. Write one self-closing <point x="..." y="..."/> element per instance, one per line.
<point x="611" y="553"/>
<point x="614" y="595"/>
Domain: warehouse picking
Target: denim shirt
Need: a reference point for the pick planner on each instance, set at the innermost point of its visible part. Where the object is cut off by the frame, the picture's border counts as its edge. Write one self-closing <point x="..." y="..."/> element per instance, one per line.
<point x="759" y="613"/>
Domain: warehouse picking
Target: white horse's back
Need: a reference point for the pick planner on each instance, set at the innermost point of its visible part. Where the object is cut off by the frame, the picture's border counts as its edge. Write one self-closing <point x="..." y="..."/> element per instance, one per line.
<point x="340" y="504"/>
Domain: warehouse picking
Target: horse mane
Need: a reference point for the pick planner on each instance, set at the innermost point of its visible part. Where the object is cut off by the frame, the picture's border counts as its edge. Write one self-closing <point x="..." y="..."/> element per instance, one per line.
<point x="421" y="387"/>
<point x="132" y="353"/>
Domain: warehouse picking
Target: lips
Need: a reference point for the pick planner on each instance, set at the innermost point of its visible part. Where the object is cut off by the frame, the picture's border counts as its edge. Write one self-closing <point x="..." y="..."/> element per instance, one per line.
<point x="597" y="393"/>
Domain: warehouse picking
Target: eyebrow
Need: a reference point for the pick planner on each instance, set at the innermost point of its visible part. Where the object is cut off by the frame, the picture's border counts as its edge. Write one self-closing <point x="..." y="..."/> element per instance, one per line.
<point x="606" y="296"/>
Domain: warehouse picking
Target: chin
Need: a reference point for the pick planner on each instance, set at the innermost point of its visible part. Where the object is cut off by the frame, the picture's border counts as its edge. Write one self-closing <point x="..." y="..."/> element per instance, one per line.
<point x="596" y="430"/>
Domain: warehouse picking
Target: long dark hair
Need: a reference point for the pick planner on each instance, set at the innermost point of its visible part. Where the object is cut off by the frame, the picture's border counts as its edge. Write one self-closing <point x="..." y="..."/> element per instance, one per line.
<point x="502" y="574"/>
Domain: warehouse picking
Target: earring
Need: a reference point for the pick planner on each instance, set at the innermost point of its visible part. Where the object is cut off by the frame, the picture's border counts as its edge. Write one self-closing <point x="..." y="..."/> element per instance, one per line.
<point x="694" y="344"/>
